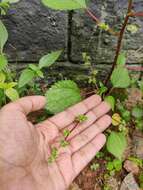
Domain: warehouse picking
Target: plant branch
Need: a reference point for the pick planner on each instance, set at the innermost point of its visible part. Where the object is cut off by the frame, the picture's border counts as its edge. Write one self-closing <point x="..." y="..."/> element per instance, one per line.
<point x="135" y="68"/>
<point x="110" y="30"/>
<point x="120" y="39"/>
<point x="136" y="14"/>
<point x="93" y="16"/>
<point x="76" y="124"/>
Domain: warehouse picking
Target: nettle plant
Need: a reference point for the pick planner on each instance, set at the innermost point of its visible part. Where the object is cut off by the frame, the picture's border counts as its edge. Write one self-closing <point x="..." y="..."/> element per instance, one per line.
<point x="66" y="93"/>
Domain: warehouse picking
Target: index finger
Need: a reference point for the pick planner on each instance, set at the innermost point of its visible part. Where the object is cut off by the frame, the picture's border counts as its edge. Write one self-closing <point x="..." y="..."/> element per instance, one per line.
<point x="65" y="118"/>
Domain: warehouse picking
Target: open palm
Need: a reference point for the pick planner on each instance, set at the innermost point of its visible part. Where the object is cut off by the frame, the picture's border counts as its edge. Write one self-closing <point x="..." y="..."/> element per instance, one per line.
<point x="25" y="148"/>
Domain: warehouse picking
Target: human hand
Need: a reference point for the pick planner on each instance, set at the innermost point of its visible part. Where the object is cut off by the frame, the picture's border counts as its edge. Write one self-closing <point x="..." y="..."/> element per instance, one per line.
<point x="25" y="148"/>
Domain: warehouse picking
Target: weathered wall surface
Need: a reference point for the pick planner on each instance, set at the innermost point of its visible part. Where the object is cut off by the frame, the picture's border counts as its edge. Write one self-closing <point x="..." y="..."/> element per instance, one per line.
<point x="85" y="36"/>
<point x="35" y="30"/>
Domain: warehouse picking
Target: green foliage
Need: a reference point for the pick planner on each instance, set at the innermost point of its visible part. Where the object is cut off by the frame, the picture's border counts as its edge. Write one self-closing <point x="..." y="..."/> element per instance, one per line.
<point x="6" y="86"/>
<point x="116" y="144"/>
<point x="12" y="94"/>
<point x="64" y="4"/>
<point x="86" y="59"/>
<point x="110" y="166"/>
<point x="115" y="165"/>
<point x="99" y="155"/>
<point x="2" y="77"/>
<point x="137" y="112"/>
<point x="139" y="124"/>
<point x="120" y="77"/>
<point x="92" y="78"/>
<point x="102" y="89"/>
<point x="9" y="91"/>
<point x="66" y="133"/>
<point x="33" y="71"/>
<point x="106" y="187"/>
<point x="94" y="166"/>
<point x="111" y="101"/>
<point x="126" y="115"/>
<point x="3" y="62"/>
<point x="62" y="95"/>
<point x="140" y="83"/>
<point x="81" y="118"/>
<point x="133" y="28"/>
<point x="10" y="1"/>
<point x="3" y="36"/>
<point x="104" y="26"/>
<point x="141" y="180"/>
<point x="49" y="59"/>
<point x="53" y="156"/>
<point x="26" y="76"/>
<point x="37" y="70"/>
<point x="121" y="59"/>
<point x="5" y="5"/>
<point x="64" y="143"/>
<point x="137" y="161"/>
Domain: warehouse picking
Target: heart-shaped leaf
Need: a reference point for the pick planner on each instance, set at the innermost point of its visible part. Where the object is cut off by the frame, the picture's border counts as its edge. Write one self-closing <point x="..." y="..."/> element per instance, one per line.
<point x="120" y="77"/>
<point x="116" y="144"/>
<point x="62" y="95"/>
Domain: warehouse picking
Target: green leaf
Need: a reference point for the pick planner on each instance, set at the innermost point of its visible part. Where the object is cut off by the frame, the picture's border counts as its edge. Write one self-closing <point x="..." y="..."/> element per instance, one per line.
<point x="7" y="85"/>
<point x="3" y="62"/>
<point x="3" y="85"/>
<point x="12" y="94"/>
<point x="2" y="77"/>
<point x="10" y="1"/>
<point x="3" y="36"/>
<point x="36" y="69"/>
<point x="102" y="89"/>
<point x="26" y="76"/>
<point x="111" y="101"/>
<point x="110" y="166"/>
<point x="11" y="84"/>
<point x="137" y="112"/>
<point x="117" y="164"/>
<point x="65" y="4"/>
<point x="116" y="144"/>
<point x="121" y="59"/>
<point x="140" y="83"/>
<point x="62" y="95"/>
<point x="133" y="28"/>
<point x="49" y="59"/>
<point x="120" y="77"/>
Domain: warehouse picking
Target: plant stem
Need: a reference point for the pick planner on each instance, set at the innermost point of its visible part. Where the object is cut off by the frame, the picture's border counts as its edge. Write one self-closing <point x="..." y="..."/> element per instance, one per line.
<point x="120" y="39"/>
<point x="76" y="124"/>
<point x="93" y="16"/>
<point x="109" y="92"/>
<point x="135" y="68"/>
<point x="98" y="22"/>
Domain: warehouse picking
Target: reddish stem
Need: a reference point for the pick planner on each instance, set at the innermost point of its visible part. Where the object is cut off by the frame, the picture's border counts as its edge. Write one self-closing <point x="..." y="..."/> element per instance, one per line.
<point x="135" y="68"/>
<point x="93" y="16"/>
<point x="76" y="124"/>
<point x="98" y="22"/>
<point x="138" y="14"/>
<point x="120" y="39"/>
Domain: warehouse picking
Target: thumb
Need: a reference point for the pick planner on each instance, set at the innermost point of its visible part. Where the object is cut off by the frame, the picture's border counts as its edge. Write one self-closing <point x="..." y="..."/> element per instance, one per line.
<point x="29" y="104"/>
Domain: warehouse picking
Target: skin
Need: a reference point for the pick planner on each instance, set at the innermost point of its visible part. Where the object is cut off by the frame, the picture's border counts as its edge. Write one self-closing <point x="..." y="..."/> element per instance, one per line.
<point x="25" y="148"/>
